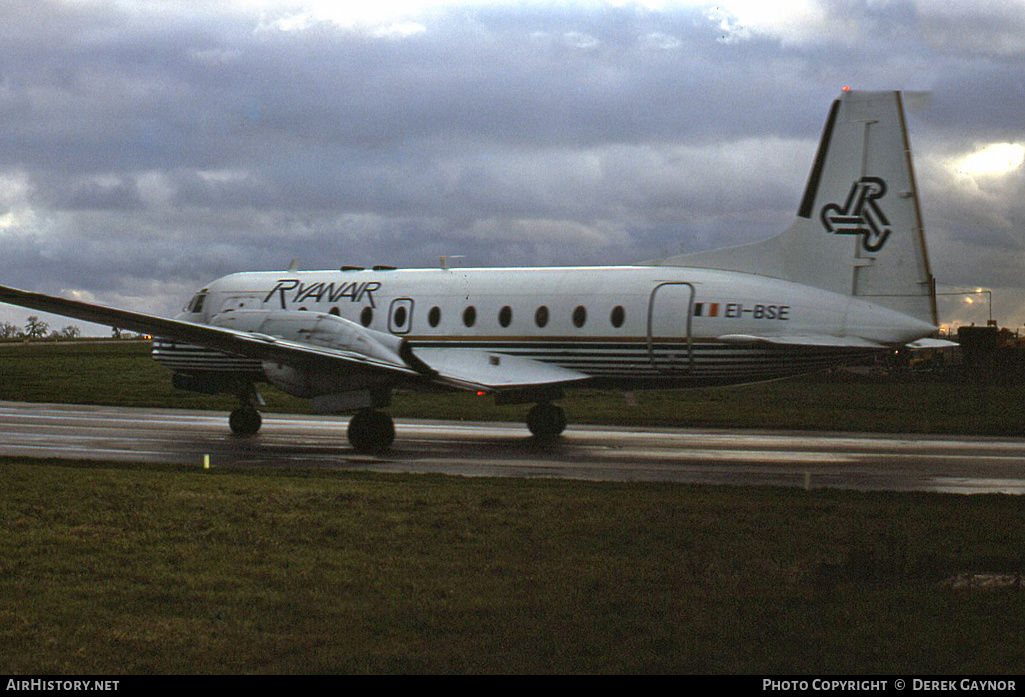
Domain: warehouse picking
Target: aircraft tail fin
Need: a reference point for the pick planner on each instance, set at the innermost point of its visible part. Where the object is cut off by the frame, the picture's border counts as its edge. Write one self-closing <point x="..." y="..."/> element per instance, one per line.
<point x="859" y="229"/>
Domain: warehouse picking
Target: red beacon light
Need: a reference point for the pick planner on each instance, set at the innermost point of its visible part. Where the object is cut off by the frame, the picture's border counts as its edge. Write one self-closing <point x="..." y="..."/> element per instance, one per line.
<point x="846" y="88"/>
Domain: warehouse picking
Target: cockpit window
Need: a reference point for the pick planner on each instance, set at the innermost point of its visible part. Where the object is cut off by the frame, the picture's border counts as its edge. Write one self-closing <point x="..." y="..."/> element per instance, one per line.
<point x="195" y="305"/>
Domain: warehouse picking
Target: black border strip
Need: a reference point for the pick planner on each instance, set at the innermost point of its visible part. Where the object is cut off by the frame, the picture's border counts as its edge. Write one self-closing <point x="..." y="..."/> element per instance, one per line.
<point x="811" y="189"/>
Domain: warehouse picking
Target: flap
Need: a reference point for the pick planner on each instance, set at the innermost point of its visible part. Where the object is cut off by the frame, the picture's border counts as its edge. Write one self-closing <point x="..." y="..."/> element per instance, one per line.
<point x="472" y="368"/>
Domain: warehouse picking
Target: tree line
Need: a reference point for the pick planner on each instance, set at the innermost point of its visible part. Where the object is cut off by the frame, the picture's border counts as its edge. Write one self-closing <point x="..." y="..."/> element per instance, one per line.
<point x="35" y="328"/>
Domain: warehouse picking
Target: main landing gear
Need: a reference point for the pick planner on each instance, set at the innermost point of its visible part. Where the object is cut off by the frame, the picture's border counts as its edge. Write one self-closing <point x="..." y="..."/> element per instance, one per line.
<point x="371" y="430"/>
<point x="546" y="420"/>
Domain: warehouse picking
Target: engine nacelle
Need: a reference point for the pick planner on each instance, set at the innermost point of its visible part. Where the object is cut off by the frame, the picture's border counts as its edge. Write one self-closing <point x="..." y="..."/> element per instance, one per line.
<point x="310" y="384"/>
<point x="316" y="329"/>
<point x="206" y="383"/>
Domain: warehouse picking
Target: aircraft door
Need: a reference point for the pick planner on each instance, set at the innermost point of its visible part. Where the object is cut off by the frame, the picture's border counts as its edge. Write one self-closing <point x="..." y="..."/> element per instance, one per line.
<point x="670" y="309"/>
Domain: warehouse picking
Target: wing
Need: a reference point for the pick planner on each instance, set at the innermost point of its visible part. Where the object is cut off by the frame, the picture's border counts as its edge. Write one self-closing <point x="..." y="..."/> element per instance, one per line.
<point x="318" y="342"/>
<point x="240" y="343"/>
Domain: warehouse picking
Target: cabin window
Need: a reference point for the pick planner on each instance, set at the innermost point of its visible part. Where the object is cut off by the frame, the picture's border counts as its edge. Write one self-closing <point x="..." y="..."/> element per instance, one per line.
<point x="505" y="316"/>
<point x="434" y="316"/>
<point x="470" y="316"/>
<point x="541" y="316"/>
<point x="196" y="304"/>
<point x="579" y="316"/>
<point x="617" y="317"/>
<point x="367" y="316"/>
<point x="335" y="311"/>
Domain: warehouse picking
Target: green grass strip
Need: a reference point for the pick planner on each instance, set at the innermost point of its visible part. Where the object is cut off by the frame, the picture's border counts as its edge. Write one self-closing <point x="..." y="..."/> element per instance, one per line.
<point x="131" y="569"/>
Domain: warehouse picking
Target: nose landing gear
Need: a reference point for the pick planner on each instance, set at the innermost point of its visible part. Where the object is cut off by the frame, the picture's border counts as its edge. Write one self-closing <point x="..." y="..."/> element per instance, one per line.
<point x="246" y="420"/>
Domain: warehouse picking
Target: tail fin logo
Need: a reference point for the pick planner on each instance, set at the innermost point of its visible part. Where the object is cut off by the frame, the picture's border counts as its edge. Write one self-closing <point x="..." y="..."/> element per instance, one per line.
<point x="860" y="214"/>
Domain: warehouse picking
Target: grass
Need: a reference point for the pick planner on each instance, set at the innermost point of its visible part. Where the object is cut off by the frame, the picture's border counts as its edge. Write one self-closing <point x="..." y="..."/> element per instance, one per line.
<point x="122" y="373"/>
<point x="108" y="372"/>
<point x="148" y="569"/>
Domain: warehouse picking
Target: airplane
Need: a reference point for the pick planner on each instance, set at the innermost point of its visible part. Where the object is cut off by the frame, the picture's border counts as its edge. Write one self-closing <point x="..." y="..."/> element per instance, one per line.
<point x="848" y="279"/>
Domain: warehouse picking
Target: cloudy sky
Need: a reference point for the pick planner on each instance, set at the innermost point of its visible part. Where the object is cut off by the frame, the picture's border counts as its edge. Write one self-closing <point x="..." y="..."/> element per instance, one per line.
<point x="147" y="147"/>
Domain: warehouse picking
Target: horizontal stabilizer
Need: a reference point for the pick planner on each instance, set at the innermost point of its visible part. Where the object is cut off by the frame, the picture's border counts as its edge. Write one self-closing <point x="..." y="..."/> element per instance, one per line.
<point x="932" y="344"/>
<point x="829" y="341"/>
<point x="811" y="340"/>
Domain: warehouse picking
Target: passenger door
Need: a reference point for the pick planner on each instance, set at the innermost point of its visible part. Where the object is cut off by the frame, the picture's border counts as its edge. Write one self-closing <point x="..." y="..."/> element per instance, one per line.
<point x="670" y="309"/>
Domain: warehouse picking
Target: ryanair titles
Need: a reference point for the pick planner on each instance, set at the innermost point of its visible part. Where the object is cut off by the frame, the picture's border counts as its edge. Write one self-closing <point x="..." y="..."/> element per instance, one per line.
<point x="293" y="290"/>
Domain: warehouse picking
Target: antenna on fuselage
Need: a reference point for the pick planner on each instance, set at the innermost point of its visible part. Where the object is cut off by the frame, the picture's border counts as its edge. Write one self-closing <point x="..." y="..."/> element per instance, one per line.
<point x="294" y="264"/>
<point x="443" y="260"/>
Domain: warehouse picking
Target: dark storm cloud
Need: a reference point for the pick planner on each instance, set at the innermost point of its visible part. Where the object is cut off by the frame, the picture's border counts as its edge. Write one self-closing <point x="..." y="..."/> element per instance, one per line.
<point x="204" y="93"/>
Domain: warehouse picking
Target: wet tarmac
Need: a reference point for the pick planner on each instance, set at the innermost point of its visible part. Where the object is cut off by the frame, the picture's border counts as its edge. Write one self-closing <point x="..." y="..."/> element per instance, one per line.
<point x="703" y="456"/>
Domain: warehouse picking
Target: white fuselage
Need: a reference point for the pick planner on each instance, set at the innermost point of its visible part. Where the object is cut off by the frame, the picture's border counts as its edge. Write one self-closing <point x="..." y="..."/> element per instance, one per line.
<point x="632" y="325"/>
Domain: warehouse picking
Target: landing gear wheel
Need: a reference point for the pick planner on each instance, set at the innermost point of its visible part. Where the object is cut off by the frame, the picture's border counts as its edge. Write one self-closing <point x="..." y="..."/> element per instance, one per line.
<point x="245" y="421"/>
<point x="370" y="431"/>
<point x="546" y="421"/>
